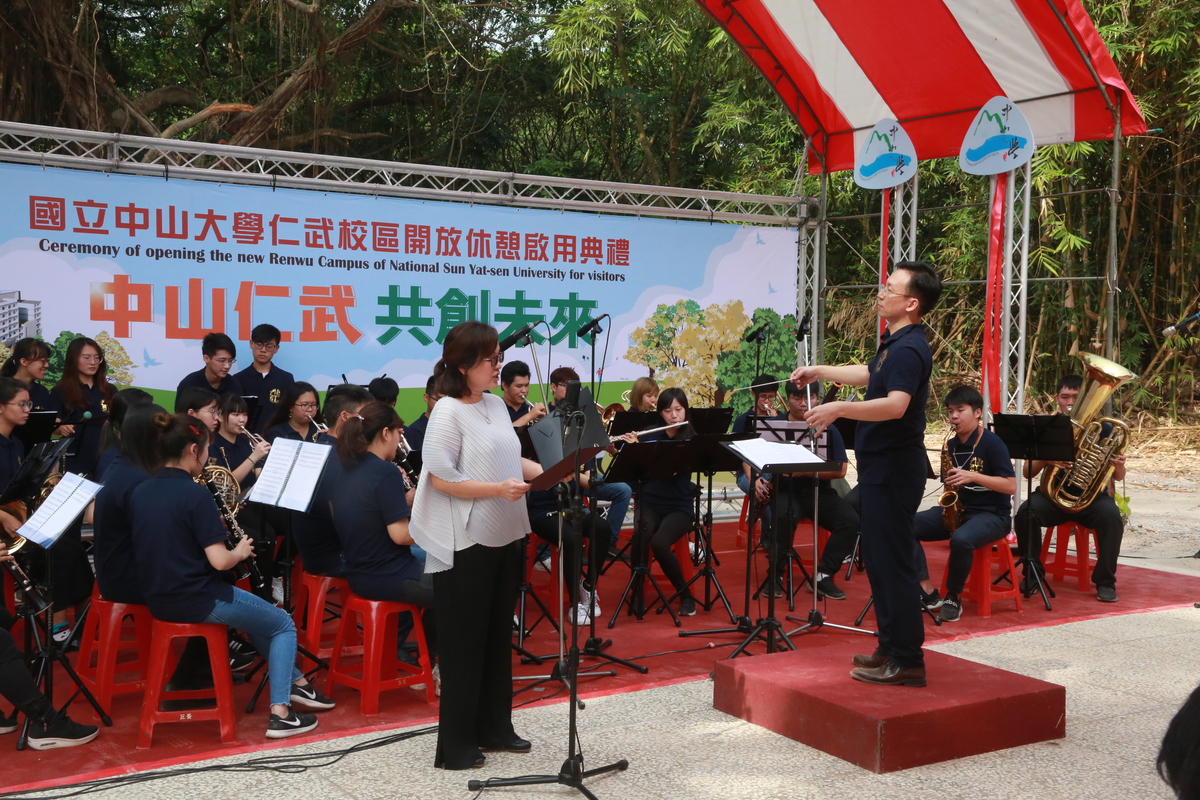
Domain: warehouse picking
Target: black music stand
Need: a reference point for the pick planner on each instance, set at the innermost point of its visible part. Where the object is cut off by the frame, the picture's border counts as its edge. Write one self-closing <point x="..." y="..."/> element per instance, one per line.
<point x="708" y="457"/>
<point x="768" y="628"/>
<point x="1035" y="437"/>
<point x="710" y="421"/>
<point x="39" y="428"/>
<point x="635" y="464"/>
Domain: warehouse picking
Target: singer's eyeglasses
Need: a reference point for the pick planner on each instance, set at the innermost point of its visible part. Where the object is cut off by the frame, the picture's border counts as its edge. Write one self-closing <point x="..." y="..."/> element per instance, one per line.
<point x="496" y="360"/>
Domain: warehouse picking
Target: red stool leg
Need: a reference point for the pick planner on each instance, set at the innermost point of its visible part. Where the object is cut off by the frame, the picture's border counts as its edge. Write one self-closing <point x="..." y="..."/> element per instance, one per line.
<point x="218" y="656"/>
<point x="160" y="654"/>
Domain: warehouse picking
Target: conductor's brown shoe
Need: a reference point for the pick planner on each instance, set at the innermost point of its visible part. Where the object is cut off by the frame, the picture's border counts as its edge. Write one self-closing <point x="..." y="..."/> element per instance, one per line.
<point x="873" y="661"/>
<point x="890" y="674"/>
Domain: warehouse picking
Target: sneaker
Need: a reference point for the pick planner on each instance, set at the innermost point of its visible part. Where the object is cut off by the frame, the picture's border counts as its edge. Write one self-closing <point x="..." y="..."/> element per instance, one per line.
<point x="291" y="725"/>
<point x="696" y="550"/>
<point x="437" y="680"/>
<point x="62" y="732"/>
<point x="582" y="615"/>
<point x="687" y="606"/>
<point x="931" y="600"/>
<point x="827" y="588"/>
<point x="777" y="589"/>
<point x="590" y="600"/>
<point x="61" y="631"/>
<point x="8" y="724"/>
<point x="1106" y="594"/>
<point x="277" y="591"/>
<point x="310" y="698"/>
<point x="543" y="561"/>
<point x="240" y="662"/>
<point x="951" y="609"/>
<point x="239" y="645"/>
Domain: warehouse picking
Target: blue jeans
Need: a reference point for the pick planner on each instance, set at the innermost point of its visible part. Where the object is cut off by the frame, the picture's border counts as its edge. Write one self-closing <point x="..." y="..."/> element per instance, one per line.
<point x="977" y="529"/>
<point x="617" y="494"/>
<point x="272" y="633"/>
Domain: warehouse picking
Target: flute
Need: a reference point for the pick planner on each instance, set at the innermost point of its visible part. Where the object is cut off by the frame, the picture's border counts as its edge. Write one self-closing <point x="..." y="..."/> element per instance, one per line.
<point x="649" y="430"/>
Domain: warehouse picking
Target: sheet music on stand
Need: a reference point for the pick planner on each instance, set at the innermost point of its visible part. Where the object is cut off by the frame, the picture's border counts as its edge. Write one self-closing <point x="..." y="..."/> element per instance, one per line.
<point x="56" y="513"/>
<point x="792" y="432"/>
<point x="761" y="453"/>
<point x="291" y="474"/>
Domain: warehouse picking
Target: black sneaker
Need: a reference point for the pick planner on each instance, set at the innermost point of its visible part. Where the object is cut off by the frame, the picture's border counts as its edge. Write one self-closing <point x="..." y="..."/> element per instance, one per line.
<point x="62" y="732"/>
<point x="8" y="724"/>
<point x="931" y="600"/>
<point x="240" y="645"/>
<point x="240" y="662"/>
<point x="687" y="606"/>
<point x="827" y="588"/>
<point x="951" y="609"/>
<point x="291" y="725"/>
<point x="310" y="698"/>
<point x="1106" y="594"/>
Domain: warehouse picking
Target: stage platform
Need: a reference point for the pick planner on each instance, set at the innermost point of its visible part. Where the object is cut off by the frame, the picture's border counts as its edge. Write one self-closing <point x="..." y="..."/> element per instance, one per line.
<point x="653" y="641"/>
<point x="966" y="709"/>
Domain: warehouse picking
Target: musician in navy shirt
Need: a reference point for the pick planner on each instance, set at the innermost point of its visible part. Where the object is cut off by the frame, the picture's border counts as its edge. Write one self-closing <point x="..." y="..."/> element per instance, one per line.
<point x="297" y="414"/>
<point x="263" y="379"/>
<point x="180" y="544"/>
<point x="890" y="448"/>
<point x="27" y="363"/>
<point x="81" y="398"/>
<point x="14" y="410"/>
<point x="220" y="354"/>
<point x="982" y="475"/>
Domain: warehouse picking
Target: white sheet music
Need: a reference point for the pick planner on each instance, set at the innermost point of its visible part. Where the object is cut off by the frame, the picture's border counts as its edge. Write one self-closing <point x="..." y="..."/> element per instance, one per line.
<point x="56" y="513"/>
<point x="290" y="474"/>
<point x="759" y="452"/>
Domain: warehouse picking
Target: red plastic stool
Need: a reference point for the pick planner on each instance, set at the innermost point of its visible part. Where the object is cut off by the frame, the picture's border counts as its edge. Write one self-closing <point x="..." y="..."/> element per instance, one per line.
<point x="102" y="636"/>
<point x="802" y="537"/>
<point x="1064" y="566"/>
<point x="161" y="658"/>
<point x="379" y="652"/>
<point x="979" y="586"/>
<point x="309" y="595"/>
<point x="743" y="530"/>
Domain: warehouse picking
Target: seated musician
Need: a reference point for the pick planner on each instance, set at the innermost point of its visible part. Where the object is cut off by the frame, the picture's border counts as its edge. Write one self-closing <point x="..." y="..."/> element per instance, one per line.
<point x="72" y="575"/>
<point x="385" y="390"/>
<point x="220" y="354"/>
<point x="414" y="431"/>
<point x="666" y="509"/>
<point x="203" y="404"/>
<point x="765" y="391"/>
<point x="48" y="729"/>
<point x="81" y="399"/>
<point x="116" y="564"/>
<point x="978" y="468"/>
<point x="314" y="531"/>
<point x="110" y="433"/>
<point x="180" y="545"/>
<point x="644" y="395"/>
<point x="371" y="514"/>
<point x="514" y="381"/>
<point x="297" y="414"/>
<point x="264" y="379"/>
<point x="233" y="449"/>
<point x="1102" y="515"/>
<point x="834" y="513"/>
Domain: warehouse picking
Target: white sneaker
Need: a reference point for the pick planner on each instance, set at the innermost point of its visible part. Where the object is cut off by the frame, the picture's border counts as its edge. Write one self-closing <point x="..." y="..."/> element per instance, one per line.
<point x="582" y="615"/>
<point x="277" y="590"/>
<point x="590" y="602"/>
<point x="437" y="680"/>
<point x="543" y="563"/>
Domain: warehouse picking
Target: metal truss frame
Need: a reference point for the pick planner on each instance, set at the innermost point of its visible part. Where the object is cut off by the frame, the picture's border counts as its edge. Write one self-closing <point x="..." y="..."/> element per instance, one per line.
<point x="1016" y="289"/>
<point x="170" y="158"/>
<point x="904" y="220"/>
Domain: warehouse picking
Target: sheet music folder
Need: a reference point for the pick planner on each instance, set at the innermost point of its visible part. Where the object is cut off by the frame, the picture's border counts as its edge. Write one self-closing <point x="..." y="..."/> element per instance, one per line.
<point x="291" y="474"/>
<point x="780" y="457"/>
<point x="56" y="513"/>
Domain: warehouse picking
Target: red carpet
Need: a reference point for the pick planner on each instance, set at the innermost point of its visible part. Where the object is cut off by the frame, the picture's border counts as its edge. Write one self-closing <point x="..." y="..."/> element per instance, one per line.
<point x="114" y="751"/>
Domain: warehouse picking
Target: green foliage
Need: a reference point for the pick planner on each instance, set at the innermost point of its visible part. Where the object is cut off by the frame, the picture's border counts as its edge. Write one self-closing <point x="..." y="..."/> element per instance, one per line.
<point x="58" y="356"/>
<point x="738" y="368"/>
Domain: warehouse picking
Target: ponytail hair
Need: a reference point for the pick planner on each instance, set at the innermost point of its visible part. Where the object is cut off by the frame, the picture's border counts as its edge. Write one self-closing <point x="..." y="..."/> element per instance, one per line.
<point x="139" y="436"/>
<point x="28" y="348"/>
<point x="178" y="432"/>
<point x="356" y="434"/>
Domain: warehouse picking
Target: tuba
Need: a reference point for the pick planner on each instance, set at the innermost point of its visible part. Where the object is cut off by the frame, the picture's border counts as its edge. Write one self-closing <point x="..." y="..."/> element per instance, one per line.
<point x="951" y="507"/>
<point x="1077" y="487"/>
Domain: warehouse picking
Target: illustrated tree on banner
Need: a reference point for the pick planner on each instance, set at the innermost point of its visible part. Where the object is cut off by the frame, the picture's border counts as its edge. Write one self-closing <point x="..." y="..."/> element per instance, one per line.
<point x="887" y="160"/>
<point x="998" y="142"/>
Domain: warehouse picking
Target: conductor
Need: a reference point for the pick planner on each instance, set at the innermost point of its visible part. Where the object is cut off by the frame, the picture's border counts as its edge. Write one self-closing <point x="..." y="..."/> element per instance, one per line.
<point x="890" y="446"/>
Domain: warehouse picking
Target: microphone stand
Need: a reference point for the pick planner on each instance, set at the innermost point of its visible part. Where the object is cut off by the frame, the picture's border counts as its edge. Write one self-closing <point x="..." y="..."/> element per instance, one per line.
<point x="572" y="772"/>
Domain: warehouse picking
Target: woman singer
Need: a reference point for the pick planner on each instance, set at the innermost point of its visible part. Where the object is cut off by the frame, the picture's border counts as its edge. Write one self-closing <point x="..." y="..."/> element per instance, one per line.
<point x="666" y="507"/>
<point x="81" y="398"/>
<point x="297" y="414"/>
<point x="469" y="518"/>
<point x="179" y="541"/>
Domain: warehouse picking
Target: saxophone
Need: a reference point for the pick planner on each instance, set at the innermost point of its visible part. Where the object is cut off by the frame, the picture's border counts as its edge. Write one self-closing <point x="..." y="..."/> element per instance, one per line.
<point x="951" y="507"/>
<point x="1077" y="487"/>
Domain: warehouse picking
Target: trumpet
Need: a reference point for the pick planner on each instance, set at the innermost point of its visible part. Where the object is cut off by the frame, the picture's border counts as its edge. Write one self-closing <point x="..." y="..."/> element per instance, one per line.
<point x="321" y="426"/>
<point x="253" y="437"/>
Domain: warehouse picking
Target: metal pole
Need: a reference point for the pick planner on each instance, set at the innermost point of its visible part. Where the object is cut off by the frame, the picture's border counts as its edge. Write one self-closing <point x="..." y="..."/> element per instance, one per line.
<point x="1113" y="201"/>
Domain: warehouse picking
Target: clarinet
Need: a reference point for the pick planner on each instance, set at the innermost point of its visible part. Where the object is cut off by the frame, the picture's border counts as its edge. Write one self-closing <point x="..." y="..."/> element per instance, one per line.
<point x="249" y="567"/>
<point x="33" y="596"/>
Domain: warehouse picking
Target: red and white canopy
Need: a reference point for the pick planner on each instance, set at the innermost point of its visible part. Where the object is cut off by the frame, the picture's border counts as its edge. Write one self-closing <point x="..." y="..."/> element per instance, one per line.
<point x="843" y="65"/>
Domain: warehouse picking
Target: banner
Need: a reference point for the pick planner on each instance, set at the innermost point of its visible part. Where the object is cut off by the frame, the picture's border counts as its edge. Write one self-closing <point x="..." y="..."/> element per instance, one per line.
<point x="363" y="286"/>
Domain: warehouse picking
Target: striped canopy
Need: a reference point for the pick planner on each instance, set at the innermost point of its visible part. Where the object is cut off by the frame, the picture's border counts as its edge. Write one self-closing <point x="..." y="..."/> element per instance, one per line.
<point x="843" y="65"/>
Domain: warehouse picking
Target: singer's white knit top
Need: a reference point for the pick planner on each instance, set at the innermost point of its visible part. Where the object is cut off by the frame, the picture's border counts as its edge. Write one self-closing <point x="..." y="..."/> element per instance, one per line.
<point x="467" y="441"/>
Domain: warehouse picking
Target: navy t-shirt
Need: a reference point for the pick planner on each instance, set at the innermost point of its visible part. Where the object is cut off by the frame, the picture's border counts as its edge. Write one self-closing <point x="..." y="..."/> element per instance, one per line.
<point x="105" y="460"/>
<point x="174" y="519"/>
<point x="87" y="445"/>
<point x="39" y="395"/>
<point x="896" y="447"/>
<point x="197" y="380"/>
<point x="835" y="451"/>
<point x="285" y="431"/>
<point x="368" y="497"/>
<point x="12" y="450"/>
<point x="231" y="455"/>
<point x="116" y="564"/>
<point x="668" y="494"/>
<point x="515" y="414"/>
<point x="990" y="457"/>
<point x="267" y="387"/>
<point x="414" y="432"/>
<point x="316" y="536"/>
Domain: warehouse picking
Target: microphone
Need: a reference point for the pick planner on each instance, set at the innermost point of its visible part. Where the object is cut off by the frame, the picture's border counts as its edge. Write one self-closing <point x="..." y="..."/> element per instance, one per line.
<point x="758" y="334"/>
<point x="1181" y="326"/>
<point x="593" y="326"/>
<point x="571" y="399"/>
<point x="805" y="327"/>
<point x="517" y="336"/>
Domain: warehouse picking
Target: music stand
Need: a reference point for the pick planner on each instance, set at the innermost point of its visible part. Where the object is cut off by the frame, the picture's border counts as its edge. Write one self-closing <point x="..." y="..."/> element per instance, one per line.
<point x="1035" y="437"/>
<point x="37" y="429"/>
<point x="710" y="421"/>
